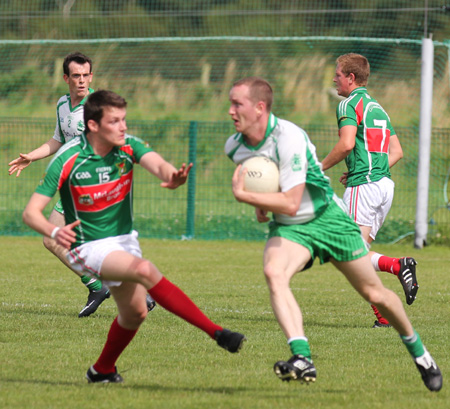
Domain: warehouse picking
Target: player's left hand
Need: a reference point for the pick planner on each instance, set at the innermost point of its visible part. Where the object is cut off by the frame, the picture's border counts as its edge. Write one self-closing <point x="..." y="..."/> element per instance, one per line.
<point x="261" y="215"/>
<point x="179" y="177"/>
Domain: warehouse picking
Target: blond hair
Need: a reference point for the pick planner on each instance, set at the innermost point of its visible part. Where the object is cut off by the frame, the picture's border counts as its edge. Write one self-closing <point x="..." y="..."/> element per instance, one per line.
<point x="355" y="64"/>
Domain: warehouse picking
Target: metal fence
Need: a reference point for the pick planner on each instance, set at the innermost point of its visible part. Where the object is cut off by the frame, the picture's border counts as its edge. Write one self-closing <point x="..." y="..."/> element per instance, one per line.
<point x="205" y="208"/>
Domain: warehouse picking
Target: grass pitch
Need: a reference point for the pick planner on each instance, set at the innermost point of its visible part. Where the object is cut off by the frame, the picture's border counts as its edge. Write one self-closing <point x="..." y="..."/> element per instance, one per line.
<point x="45" y="349"/>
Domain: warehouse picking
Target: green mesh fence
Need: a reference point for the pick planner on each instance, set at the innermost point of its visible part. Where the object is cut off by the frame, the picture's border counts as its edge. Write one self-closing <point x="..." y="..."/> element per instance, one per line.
<point x="206" y="209"/>
<point x="174" y="61"/>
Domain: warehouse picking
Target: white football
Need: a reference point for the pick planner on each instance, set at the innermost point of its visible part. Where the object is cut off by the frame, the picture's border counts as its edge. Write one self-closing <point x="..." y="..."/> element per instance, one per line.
<point x="262" y="175"/>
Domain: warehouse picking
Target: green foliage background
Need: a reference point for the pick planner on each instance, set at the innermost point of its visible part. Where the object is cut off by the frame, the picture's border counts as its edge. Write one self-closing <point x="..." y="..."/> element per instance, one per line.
<point x="174" y="61"/>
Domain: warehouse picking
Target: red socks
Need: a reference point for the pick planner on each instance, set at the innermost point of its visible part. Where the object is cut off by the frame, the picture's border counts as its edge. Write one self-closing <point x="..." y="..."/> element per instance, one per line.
<point x="389" y="264"/>
<point x="380" y="318"/>
<point x="117" y="340"/>
<point x="170" y="297"/>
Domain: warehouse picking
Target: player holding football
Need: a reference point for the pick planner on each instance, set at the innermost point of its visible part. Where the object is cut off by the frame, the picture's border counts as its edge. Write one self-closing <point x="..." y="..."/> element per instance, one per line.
<point x="308" y="223"/>
<point x="99" y="230"/>
<point x="77" y="69"/>
<point x="370" y="147"/>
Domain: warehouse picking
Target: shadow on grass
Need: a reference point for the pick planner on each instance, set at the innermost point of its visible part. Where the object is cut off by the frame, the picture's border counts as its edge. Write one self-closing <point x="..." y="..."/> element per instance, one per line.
<point x="225" y="390"/>
<point x="39" y="310"/>
<point x="151" y="387"/>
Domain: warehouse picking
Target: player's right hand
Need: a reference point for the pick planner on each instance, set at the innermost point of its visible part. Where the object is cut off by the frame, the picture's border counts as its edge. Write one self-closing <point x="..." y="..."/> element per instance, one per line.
<point x="261" y="215"/>
<point x="65" y="236"/>
<point x="343" y="178"/>
<point x="19" y="164"/>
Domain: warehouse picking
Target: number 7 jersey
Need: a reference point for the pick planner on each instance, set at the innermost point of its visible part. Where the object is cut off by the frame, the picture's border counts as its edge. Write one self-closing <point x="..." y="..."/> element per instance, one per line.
<point x="369" y="159"/>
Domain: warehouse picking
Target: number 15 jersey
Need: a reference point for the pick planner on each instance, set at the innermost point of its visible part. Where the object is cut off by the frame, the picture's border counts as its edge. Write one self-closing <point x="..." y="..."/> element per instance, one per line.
<point x="369" y="159"/>
<point x="94" y="189"/>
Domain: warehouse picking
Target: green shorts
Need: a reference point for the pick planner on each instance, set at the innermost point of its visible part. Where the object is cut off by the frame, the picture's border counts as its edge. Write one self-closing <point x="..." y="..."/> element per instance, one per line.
<point x="331" y="235"/>
<point x="58" y="207"/>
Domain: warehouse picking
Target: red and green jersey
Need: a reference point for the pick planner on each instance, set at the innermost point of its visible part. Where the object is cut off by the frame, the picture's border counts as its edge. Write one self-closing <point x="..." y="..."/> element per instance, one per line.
<point x="96" y="190"/>
<point x="369" y="159"/>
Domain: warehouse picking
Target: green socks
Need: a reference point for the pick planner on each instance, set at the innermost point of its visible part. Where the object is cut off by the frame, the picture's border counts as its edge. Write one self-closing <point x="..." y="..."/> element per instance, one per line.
<point x="300" y="346"/>
<point x="92" y="283"/>
<point x="413" y="344"/>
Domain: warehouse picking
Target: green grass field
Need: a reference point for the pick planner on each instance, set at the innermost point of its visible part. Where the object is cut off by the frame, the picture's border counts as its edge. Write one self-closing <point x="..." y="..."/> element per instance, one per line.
<point x="45" y="349"/>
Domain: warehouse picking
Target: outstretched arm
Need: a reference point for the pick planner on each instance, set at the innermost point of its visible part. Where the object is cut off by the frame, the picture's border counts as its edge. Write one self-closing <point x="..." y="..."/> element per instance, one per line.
<point x="347" y="139"/>
<point x="171" y="177"/>
<point x="24" y="159"/>
<point x="33" y="217"/>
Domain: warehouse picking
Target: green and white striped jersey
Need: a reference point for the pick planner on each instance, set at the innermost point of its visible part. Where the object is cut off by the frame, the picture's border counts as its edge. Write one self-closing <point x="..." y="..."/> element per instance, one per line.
<point x="290" y="148"/>
<point x="96" y="190"/>
<point x="369" y="159"/>
<point x="69" y="120"/>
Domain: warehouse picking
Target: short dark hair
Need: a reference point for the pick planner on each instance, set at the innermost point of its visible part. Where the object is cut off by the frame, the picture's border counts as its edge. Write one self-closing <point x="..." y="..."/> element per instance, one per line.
<point x="79" y="58"/>
<point x="355" y="64"/>
<point x="259" y="90"/>
<point x="98" y="101"/>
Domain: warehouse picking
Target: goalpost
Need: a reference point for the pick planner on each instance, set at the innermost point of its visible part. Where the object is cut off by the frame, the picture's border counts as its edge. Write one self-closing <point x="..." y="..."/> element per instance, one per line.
<point x="423" y="168"/>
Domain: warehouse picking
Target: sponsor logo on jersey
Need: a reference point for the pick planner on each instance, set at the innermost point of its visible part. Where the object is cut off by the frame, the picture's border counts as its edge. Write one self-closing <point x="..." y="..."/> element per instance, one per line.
<point x="92" y="198"/>
<point x="103" y="169"/>
<point x="80" y="126"/>
<point x="296" y="163"/>
<point x="85" y="200"/>
<point x="82" y="175"/>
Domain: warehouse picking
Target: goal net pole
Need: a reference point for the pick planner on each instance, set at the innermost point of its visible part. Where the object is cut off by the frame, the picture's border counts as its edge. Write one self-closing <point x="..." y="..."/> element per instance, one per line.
<point x="423" y="170"/>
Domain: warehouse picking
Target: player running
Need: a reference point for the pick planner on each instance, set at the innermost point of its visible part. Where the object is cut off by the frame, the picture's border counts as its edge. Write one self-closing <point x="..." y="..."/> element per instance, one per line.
<point x="370" y="147"/>
<point x="308" y="222"/>
<point x="99" y="230"/>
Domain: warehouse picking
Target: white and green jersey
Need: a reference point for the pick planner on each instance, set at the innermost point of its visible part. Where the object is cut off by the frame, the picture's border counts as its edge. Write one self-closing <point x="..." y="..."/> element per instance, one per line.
<point x="96" y="190"/>
<point x="369" y="159"/>
<point x="290" y="148"/>
<point x="69" y="120"/>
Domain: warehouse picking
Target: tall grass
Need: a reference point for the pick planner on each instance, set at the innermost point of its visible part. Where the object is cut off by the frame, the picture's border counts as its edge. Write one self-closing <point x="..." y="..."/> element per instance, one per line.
<point x="166" y="83"/>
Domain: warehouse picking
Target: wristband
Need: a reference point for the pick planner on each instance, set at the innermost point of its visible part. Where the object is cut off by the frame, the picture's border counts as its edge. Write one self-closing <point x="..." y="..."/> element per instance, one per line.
<point x="55" y="230"/>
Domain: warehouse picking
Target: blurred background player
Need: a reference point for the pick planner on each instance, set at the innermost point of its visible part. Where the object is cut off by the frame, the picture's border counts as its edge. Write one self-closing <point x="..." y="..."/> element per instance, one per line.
<point x="370" y="147"/>
<point x="99" y="230"/>
<point x="308" y="222"/>
<point x="77" y="69"/>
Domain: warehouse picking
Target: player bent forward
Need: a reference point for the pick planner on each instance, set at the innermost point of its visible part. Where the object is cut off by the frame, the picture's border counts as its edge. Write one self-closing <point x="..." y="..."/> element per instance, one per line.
<point x="309" y="222"/>
<point x="99" y="231"/>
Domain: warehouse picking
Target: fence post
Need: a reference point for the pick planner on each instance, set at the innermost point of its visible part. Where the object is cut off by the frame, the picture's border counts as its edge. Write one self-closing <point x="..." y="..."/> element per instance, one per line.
<point x="190" y="217"/>
<point x="423" y="171"/>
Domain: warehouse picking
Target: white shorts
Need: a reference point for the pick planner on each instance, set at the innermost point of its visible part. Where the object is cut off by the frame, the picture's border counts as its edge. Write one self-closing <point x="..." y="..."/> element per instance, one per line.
<point x="369" y="204"/>
<point x="88" y="258"/>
